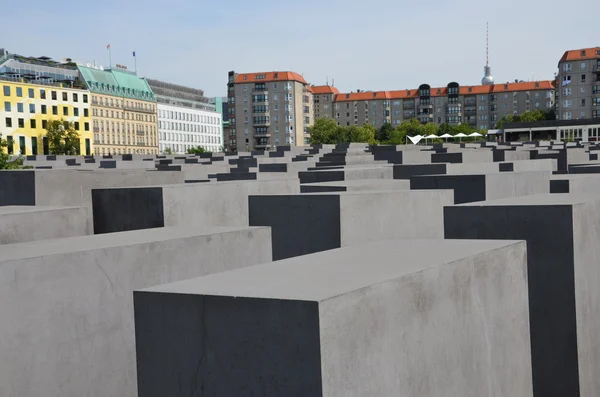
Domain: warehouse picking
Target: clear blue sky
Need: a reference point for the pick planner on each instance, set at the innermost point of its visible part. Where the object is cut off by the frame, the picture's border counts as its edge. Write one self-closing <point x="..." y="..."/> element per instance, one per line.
<point x="378" y="45"/>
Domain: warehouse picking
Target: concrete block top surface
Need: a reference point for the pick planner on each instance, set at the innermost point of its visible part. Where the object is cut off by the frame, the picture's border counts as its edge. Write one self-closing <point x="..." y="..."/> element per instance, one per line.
<point x="102" y="241"/>
<point x="20" y="209"/>
<point x="537" y="200"/>
<point x="324" y="275"/>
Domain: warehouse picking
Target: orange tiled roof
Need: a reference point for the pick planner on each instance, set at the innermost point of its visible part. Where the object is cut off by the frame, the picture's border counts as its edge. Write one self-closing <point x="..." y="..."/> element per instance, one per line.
<point x="268" y="77"/>
<point x="362" y="96"/>
<point x="581" y="54"/>
<point x="324" y="89"/>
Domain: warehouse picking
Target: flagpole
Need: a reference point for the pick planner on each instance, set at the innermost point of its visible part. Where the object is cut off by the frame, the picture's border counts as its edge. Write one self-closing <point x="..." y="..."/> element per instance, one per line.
<point x="135" y="62"/>
<point x="109" y="56"/>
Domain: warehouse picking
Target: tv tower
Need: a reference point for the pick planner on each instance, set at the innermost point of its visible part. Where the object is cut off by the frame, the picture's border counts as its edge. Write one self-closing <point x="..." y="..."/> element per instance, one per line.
<point x="487" y="70"/>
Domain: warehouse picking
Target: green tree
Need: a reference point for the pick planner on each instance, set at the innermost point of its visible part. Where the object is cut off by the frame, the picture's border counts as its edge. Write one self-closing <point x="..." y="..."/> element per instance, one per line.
<point x="383" y="134"/>
<point x="409" y="127"/>
<point x="196" y="150"/>
<point x="168" y="150"/>
<point x="364" y="134"/>
<point x="429" y="128"/>
<point x="62" y="137"/>
<point x="324" y="131"/>
<point x="7" y="162"/>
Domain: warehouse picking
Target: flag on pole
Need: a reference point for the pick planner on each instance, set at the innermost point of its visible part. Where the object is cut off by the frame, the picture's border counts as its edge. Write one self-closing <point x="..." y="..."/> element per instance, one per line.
<point x="134" y="53"/>
<point x="108" y="47"/>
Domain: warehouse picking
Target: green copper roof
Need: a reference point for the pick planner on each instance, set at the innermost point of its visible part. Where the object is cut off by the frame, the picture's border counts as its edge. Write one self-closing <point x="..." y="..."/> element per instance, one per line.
<point x="115" y="82"/>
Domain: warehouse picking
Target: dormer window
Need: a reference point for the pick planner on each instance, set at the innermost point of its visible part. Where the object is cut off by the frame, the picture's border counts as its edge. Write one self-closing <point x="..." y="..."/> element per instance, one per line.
<point x="374" y="94"/>
<point x="505" y="86"/>
<point x="583" y="53"/>
<point x="470" y="89"/>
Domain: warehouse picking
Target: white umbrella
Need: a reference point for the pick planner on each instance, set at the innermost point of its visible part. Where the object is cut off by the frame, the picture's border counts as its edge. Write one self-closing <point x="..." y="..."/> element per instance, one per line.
<point x="430" y="136"/>
<point x="446" y="135"/>
<point x="415" y="139"/>
<point x="475" y="134"/>
<point x="460" y="135"/>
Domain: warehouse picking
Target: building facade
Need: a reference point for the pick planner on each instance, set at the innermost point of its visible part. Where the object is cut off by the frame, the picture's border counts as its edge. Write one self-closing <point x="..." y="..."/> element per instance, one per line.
<point x="124" y="112"/>
<point x="578" y="84"/>
<point x="268" y="109"/>
<point x="35" y="91"/>
<point x="481" y="106"/>
<point x="186" y="119"/>
<point x="222" y="107"/>
<point x="323" y="98"/>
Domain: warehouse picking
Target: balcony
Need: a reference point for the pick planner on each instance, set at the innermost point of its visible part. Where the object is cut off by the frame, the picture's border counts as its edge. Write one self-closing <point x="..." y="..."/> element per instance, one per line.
<point x="263" y="90"/>
<point x="262" y="134"/>
<point x="425" y="106"/>
<point x="408" y="106"/>
<point x="262" y="145"/>
<point x="265" y="123"/>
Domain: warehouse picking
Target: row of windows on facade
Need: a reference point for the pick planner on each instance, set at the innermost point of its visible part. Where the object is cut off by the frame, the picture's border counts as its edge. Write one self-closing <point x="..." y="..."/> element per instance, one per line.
<point x="124" y="115"/>
<point x="203" y="129"/>
<point x="265" y="119"/>
<point x="566" y="79"/>
<point x="567" y="91"/>
<point x="582" y="115"/>
<point x="577" y="133"/>
<point x="583" y="65"/>
<point x="265" y="98"/>
<point x="449" y="120"/>
<point x="178" y="137"/>
<point x="110" y="127"/>
<point x="258" y="131"/>
<point x="33" y="124"/>
<point x="195" y="118"/>
<point x="264" y="86"/>
<point x="567" y="103"/>
<point x="181" y="148"/>
<point x="20" y="108"/>
<point x="21" y="148"/>
<point x="42" y="94"/>
<point x="122" y="139"/>
<point x="106" y="151"/>
<point x="109" y="88"/>
<point x="122" y="103"/>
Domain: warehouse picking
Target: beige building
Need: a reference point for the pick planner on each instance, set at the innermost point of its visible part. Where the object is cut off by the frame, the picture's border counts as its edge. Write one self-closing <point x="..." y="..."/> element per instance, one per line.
<point x="578" y="84"/>
<point x="268" y="109"/>
<point x="124" y="112"/>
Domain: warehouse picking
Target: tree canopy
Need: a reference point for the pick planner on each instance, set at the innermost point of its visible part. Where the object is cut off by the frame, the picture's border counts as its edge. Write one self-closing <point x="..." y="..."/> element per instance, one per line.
<point x="196" y="150"/>
<point x="7" y="162"/>
<point x="326" y="131"/>
<point x="63" y="139"/>
<point x="527" y="117"/>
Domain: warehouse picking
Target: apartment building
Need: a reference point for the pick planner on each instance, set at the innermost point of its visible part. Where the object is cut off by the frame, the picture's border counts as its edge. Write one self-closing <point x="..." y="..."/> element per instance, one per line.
<point x="323" y="98"/>
<point x="480" y="106"/>
<point x="268" y="109"/>
<point x="124" y="112"/>
<point x="186" y="118"/>
<point x="35" y="91"/>
<point x="578" y="84"/>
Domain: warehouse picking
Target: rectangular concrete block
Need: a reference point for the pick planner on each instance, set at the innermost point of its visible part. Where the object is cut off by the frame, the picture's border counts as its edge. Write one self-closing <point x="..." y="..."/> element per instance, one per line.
<point x="356" y="186"/>
<point x="67" y="304"/>
<point x="221" y="204"/>
<point x="20" y="224"/>
<point x="348" y="173"/>
<point x="308" y="223"/>
<point x="472" y="188"/>
<point x="561" y="231"/>
<point x="434" y="318"/>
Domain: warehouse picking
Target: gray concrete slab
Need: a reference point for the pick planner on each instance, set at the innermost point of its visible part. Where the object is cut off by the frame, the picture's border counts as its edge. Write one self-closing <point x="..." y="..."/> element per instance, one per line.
<point x="308" y="223"/>
<point x="67" y="309"/>
<point x="357" y="185"/>
<point x="30" y="223"/>
<point x="222" y="204"/>
<point x="401" y="317"/>
<point x="561" y="231"/>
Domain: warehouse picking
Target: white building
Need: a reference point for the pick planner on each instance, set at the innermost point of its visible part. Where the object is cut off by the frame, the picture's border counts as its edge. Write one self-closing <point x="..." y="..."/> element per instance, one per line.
<point x="181" y="128"/>
<point x="186" y="119"/>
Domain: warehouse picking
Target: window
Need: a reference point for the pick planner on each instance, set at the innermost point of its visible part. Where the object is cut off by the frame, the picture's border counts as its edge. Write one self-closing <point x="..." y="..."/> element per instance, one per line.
<point x="566" y="91"/>
<point x="20" y="107"/>
<point x="567" y="67"/>
<point x="567" y="103"/>
<point x="86" y="112"/>
<point x="583" y="102"/>
<point x="44" y="110"/>
<point x="8" y="122"/>
<point x="76" y="112"/>
<point x="31" y="108"/>
<point x="582" y="89"/>
<point x="43" y="94"/>
<point x="7" y="106"/>
<point x="65" y="96"/>
<point x="55" y="110"/>
<point x="19" y="92"/>
<point x="583" y="78"/>
<point x="6" y="90"/>
<point x="54" y="95"/>
<point x="65" y="111"/>
<point x="85" y="98"/>
<point x="567" y="116"/>
<point x="583" y="65"/>
<point x="21" y="123"/>
<point x="31" y="93"/>
<point x="595" y="101"/>
<point x="32" y="123"/>
<point x="76" y="125"/>
<point x="44" y="124"/>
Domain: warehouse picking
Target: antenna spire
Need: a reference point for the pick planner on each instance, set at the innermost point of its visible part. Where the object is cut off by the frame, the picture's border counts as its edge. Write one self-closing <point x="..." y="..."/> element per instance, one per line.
<point x="487" y="44"/>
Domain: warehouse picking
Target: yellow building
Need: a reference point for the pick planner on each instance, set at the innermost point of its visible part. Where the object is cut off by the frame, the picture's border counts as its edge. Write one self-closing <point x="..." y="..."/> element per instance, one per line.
<point x="34" y="92"/>
<point x="124" y="112"/>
